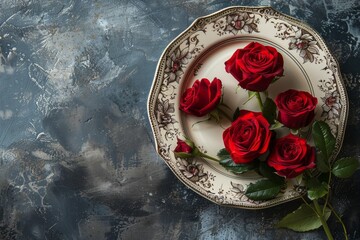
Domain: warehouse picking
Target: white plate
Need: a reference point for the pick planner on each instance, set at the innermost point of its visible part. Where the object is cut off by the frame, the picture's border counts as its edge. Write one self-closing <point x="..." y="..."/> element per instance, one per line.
<point x="200" y="52"/>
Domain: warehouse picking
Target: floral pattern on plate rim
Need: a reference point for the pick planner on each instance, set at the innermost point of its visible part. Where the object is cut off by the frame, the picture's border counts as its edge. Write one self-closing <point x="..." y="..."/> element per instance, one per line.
<point x="299" y="39"/>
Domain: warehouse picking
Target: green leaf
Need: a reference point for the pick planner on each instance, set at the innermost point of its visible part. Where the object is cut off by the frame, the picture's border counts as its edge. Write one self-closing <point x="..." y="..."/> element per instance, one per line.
<point x="316" y="189"/>
<point x="323" y="177"/>
<point x="229" y="165"/>
<point x="223" y="154"/>
<point x="321" y="164"/>
<point x="275" y="79"/>
<point x="276" y="125"/>
<point x="303" y="219"/>
<point x="323" y="138"/>
<point x="189" y="143"/>
<point x="236" y="114"/>
<point x="269" y="110"/>
<point x="263" y="190"/>
<point x="251" y="94"/>
<point x="345" y="167"/>
<point x="269" y="172"/>
<point x="183" y="155"/>
<point x="299" y="179"/>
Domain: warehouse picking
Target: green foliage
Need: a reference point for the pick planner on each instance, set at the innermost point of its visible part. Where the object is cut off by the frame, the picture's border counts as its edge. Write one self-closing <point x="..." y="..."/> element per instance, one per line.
<point x="323" y="138"/>
<point x="276" y="78"/>
<point x="251" y="94"/>
<point x="316" y="189"/>
<point x="269" y="172"/>
<point x="230" y="165"/>
<point x="183" y="155"/>
<point x="322" y="164"/>
<point x="263" y="190"/>
<point x="223" y="154"/>
<point x="276" y="125"/>
<point x="303" y="219"/>
<point x="269" y="110"/>
<point x="236" y="114"/>
<point x="345" y="167"/>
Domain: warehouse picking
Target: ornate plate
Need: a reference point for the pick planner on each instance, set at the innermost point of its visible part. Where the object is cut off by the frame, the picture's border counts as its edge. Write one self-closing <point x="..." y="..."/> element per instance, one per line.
<point x="200" y="52"/>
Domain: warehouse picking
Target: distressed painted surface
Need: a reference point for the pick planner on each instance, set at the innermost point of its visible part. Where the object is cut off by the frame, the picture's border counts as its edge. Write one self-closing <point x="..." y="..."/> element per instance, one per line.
<point x="76" y="149"/>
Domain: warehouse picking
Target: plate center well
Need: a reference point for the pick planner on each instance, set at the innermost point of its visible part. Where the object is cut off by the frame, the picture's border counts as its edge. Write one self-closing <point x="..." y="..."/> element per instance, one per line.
<point x="210" y="64"/>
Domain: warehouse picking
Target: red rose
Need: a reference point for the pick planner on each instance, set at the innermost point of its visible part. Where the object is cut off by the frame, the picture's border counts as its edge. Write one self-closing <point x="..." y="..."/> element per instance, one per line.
<point x="184" y="149"/>
<point x="255" y="66"/>
<point x="202" y="97"/>
<point x="248" y="137"/>
<point x="296" y="108"/>
<point x="291" y="156"/>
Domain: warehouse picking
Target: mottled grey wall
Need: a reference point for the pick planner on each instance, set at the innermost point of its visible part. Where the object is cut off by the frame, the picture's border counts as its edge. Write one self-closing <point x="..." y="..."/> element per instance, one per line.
<point x="77" y="158"/>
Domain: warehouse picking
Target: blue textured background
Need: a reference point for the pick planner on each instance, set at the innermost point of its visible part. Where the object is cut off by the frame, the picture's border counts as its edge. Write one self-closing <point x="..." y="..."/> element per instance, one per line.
<point x="77" y="157"/>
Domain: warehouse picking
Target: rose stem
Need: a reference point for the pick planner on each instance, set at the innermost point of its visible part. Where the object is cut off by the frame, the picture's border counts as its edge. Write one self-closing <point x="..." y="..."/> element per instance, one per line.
<point x="328" y="194"/>
<point x="208" y="157"/>
<point x="200" y="122"/>
<point x="224" y="114"/>
<point x="320" y="212"/>
<point x="323" y="221"/>
<point x="340" y="220"/>
<point x="258" y="97"/>
<point x="308" y="173"/>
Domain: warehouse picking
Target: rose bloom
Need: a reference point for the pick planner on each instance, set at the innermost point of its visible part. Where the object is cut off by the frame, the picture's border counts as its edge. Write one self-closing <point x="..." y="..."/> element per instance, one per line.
<point x="255" y="66"/>
<point x="296" y="108"/>
<point x="291" y="156"/>
<point x="248" y="137"/>
<point x="202" y="97"/>
<point x="184" y="149"/>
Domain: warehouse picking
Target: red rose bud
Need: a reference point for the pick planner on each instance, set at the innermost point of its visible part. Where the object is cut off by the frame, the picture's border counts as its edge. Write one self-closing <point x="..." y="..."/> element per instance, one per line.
<point x="248" y="137"/>
<point x="202" y="98"/>
<point x="296" y="108"/>
<point x="291" y="156"/>
<point x="184" y="149"/>
<point x="255" y="66"/>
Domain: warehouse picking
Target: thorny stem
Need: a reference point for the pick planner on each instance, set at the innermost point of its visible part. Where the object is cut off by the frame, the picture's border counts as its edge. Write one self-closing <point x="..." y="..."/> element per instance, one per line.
<point x="328" y="194"/>
<point x="258" y="97"/>
<point x="340" y="220"/>
<point x="320" y="214"/>
<point x="306" y="202"/>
